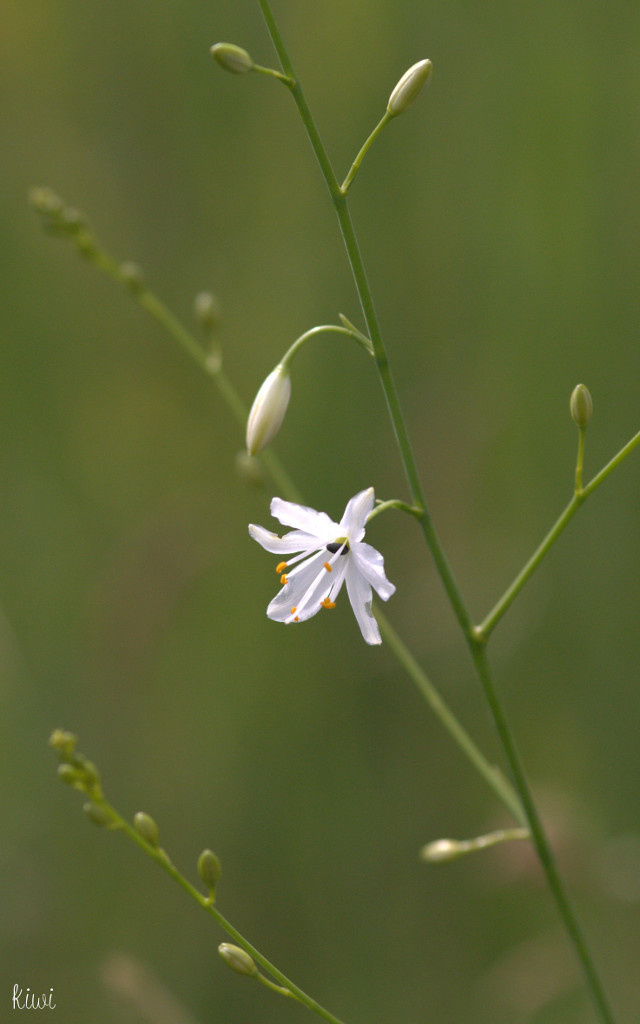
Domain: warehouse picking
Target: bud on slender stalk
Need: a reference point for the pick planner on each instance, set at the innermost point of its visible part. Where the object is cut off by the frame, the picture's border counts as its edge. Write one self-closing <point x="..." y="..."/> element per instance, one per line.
<point x="409" y="86"/>
<point x="441" y="850"/>
<point x="209" y="869"/>
<point x="581" y="405"/>
<point x="146" y="827"/>
<point x="268" y="409"/>
<point x="232" y="58"/>
<point x="237" y="959"/>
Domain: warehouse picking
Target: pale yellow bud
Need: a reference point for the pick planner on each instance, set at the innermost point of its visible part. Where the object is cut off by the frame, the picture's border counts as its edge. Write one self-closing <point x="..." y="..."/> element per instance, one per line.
<point x="232" y="58"/>
<point x="441" y="850"/>
<point x="237" y="959"/>
<point x="268" y="409"/>
<point x="409" y="86"/>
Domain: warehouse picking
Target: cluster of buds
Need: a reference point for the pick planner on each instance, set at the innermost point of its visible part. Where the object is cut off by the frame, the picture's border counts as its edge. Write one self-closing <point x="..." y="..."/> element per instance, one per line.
<point x="60" y="219"/>
<point x="76" y="770"/>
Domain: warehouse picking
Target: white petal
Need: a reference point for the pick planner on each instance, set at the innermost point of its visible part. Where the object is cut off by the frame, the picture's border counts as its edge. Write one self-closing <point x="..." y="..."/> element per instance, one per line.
<point x="355" y="514"/>
<point x="306" y="587"/>
<point x="302" y="518"/>
<point x="359" y="593"/>
<point x="279" y="545"/>
<point x="370" y="564"/>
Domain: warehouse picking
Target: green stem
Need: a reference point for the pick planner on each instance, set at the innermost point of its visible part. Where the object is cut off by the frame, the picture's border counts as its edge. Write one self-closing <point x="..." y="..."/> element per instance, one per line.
<point x="483" y="631"/>
<point x="384" y="120"/>
<point x="161" y="858"/>
<point x="474" y="642"/>
<point x="324" y="329"/>
<point x="539" y="838"/>
<point x="490" y="773"/>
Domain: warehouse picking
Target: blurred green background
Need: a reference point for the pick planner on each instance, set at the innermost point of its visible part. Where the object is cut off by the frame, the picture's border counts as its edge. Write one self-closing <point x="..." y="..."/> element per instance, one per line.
<point x="500" y="225"/>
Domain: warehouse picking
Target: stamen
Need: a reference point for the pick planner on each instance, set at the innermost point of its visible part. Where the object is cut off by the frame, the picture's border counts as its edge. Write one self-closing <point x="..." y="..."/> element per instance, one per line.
<point x="283" y="579"/>
<point x="294" y="610"/>
<point x="327" y="567"/>
<point x="327" y="603"/>
<point x="281" y="566"/>
<point x="296" y="619"/>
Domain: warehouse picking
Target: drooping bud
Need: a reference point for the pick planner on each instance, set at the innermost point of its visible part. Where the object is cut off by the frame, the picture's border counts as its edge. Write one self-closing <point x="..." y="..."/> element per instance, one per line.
<point x="581" y="405"/>
<point x="146" y="827"/>
<point x="268" y="409"/>
<point x="409" y="86"/>
<point x="209" y="869"/>
<point x="237" y="959"/>
<point x="232" y="58"/>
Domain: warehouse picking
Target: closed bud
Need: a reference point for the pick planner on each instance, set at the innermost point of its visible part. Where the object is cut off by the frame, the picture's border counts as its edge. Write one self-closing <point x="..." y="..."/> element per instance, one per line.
<point x="63" y="742"/>
<point x="207" y="310"/>
<point x="442" y="850"/>
<point x="232" y="58"/>
<point x="581" y="405"/>
<point x="209" y="869"/>
<point x="237" y="959"/>
<point x="268" y="409"/>
<point x="45" y="201"/>
<point x="97" y="814"/>
<point x="409" y="86"/>
<point x="67" y="773"/>
<point x="146" y="827"/>
<point x="132" y="276"/>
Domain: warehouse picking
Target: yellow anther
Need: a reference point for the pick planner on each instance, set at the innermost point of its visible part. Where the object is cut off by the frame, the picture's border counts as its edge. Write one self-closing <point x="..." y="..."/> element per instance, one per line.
<point x="294" y="610"/>
<point x="281" y="566"/>
<point x="327" y="603"/>
<point x="328" y="567"/>
<point x="283" y="579"/>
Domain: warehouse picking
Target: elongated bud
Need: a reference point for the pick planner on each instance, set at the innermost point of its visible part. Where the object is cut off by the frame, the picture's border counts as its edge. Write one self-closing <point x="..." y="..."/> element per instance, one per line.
<point x="232" y="58"/>
<point x="407" y="89"/>
<point x="146" y="827"/>
<point x="209" y="869"/>
<point x="132" y="276"/>
<point x="581" y="405"/>
<point x="268" y="409"/>
<point x="441" y="850"/>
<point x="237" y="959"/>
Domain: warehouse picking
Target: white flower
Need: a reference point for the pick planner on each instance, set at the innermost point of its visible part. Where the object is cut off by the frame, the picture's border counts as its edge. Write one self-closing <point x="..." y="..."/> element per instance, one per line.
<point x="329" y="554"/>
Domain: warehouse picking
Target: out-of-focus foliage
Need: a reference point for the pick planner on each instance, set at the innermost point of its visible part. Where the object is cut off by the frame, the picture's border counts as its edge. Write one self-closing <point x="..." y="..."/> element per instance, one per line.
<point x="499" y="221"/>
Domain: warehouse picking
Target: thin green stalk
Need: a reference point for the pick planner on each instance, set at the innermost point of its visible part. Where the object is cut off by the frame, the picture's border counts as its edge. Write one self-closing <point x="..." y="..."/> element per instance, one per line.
<point x="539" y="838"/>
<point x="486" y="627"/>
<point x="382" y="123"/>
<point x="476" y="644"/>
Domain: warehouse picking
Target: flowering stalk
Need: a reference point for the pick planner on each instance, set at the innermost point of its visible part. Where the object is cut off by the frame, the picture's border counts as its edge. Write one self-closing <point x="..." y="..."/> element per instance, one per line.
<point x="81" y="774"/>
<point x="475" y="643"/>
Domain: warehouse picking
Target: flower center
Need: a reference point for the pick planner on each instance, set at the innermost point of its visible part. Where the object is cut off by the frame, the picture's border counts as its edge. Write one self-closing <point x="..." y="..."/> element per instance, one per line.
<point x="339" y="545"/>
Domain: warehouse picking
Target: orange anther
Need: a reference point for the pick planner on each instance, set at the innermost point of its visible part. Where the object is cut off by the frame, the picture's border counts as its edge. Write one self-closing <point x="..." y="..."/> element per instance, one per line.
<point x="327" y="603"/>
<point x="281" y="566"/>
<point x="283" y="580"/>
<point x="294" y="610"/>
<point x="328" y="567"/>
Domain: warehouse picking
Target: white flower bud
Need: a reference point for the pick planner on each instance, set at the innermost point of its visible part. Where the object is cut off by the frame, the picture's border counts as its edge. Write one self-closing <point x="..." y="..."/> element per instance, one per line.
<point x="268" y="409"/>
<point x="581" y="405"/>
<point x="409" y="86"/>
